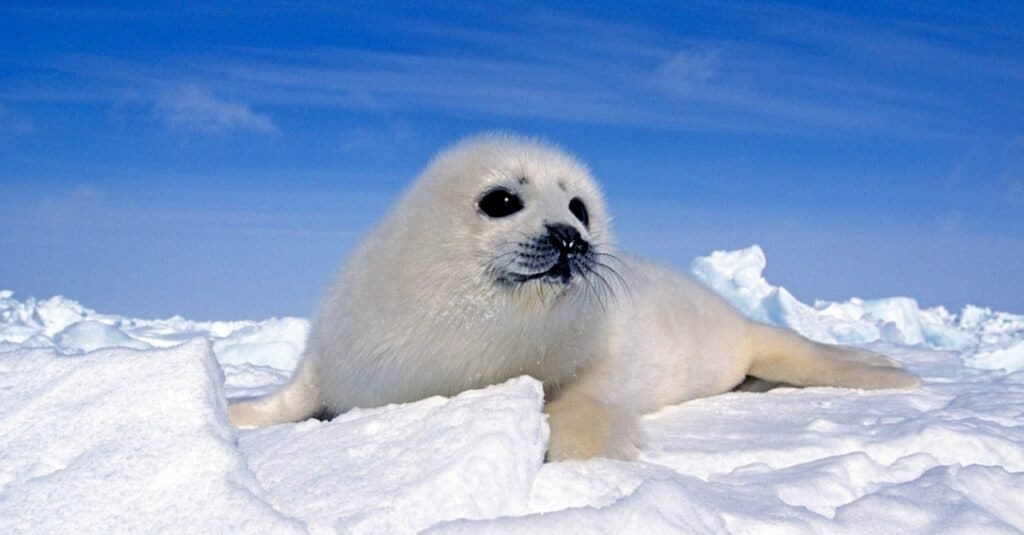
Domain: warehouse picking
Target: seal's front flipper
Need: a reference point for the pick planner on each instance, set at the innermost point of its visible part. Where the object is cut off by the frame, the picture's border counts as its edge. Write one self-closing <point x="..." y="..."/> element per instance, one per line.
<point x="298" y="400"/>
<point x="583" y="427"/>
<point x="784" y="356"/>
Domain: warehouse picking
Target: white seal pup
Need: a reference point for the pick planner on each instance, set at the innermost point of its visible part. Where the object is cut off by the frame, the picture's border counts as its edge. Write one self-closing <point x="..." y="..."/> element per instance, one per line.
<point x="497" y="262"/>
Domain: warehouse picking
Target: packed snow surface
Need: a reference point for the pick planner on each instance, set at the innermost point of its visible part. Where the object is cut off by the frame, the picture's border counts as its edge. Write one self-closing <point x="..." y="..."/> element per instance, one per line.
<point x="116" y="424"/>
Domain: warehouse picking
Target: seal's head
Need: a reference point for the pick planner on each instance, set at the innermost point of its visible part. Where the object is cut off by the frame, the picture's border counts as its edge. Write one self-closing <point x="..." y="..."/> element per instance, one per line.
<point x="527" y="215"/>
<point x="495" y="262"/>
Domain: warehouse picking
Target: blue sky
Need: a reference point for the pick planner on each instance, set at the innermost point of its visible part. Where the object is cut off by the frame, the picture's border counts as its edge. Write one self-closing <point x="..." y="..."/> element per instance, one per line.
<point x="219" y="162"/>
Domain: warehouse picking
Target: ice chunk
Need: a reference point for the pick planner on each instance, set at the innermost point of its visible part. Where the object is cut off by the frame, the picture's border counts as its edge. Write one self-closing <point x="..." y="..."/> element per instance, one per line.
<point x="1009" y="357"/>
<point x="991" y="327"/>
<point x="122" y="441"/>
<point x="90" y="335"/>
<point x="72" y="328"/>
<point x="275" y="342"/>
<point x="738" y="276"/>
<point x="402" y="468"/>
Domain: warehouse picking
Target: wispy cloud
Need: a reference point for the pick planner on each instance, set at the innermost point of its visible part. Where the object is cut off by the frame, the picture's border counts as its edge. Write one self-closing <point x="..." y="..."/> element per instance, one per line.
<point x="778" y="68"/>
<point x="192" y="108"/>
<point x="731" y="83"/>
<point x="623" y="90"/>
<point x="687" y="70"/>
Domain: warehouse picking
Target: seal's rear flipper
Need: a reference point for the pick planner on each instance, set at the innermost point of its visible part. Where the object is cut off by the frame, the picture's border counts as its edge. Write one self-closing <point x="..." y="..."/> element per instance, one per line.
<point x="298" y="400"/>
<point x="784" y="356"/>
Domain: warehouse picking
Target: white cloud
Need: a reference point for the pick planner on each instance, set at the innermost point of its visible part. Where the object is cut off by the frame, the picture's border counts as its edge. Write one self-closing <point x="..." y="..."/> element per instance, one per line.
<point x="195" y="109"/>
<point x="688" y="70"/>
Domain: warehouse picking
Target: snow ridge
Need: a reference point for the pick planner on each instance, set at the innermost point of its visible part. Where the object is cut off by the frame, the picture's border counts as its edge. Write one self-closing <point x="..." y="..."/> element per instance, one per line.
<point x="988" y="339"/>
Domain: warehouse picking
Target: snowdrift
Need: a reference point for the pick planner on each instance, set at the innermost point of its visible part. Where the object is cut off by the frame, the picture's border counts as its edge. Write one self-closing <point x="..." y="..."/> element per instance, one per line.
<point x="122" y="440"/>
<point x="116" y="424"/>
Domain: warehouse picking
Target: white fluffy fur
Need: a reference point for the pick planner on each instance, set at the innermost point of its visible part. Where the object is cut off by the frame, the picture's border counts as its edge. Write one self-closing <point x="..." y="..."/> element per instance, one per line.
<point x="416" y="312"/>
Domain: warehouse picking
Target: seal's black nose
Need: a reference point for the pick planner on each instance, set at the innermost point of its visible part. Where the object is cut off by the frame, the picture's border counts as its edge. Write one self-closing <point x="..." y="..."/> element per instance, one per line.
<point x="567" y="240"/>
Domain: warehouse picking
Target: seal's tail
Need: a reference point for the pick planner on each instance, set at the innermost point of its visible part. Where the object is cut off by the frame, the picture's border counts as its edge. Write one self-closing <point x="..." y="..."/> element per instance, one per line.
<point x="298" y="400"/>
<point x="786" y="357"/>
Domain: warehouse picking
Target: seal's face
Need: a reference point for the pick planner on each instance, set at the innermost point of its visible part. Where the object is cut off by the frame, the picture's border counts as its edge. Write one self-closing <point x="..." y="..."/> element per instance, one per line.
<point x="554" y="254"/>
<point x="534" y="215"/>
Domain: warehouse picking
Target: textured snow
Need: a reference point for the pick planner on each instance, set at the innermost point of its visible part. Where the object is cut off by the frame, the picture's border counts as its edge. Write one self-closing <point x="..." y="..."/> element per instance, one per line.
<point x="976" y="332"/>
<point x="71" y="328"/>
<point x="122" y="441"/>
<point x="403" y="468"/>
<point x="946" y="458"/>
<point x="117" y="424"/>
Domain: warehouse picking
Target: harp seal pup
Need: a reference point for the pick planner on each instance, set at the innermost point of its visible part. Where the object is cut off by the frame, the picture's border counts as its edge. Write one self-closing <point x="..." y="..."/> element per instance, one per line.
<point x="499" y="261"/>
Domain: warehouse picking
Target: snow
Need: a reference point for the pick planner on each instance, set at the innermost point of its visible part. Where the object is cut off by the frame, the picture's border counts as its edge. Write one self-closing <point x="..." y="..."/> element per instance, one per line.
<point x="122" y="440"/>
<point x="403" y="468"/>
<point x="738" y="276"/>
<point x="71" y="328"/>
<point x="110" y="423"/>
<point x="1009" y="356"/>
<point x="133" y="441"/>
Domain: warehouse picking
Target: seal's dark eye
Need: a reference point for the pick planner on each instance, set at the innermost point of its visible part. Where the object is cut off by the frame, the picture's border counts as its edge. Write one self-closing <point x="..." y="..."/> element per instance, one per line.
<point x="500" y="203"/>
<point x="579" y="210"/>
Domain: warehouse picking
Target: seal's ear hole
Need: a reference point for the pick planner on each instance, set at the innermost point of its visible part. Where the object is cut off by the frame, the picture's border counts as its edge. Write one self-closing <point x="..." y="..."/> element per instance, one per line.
<point x="500" y="202"/>
<point x="579" y="210"/>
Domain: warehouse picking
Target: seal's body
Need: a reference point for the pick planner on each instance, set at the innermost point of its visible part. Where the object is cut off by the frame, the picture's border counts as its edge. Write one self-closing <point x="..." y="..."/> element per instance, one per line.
<point x="498" y="262"/>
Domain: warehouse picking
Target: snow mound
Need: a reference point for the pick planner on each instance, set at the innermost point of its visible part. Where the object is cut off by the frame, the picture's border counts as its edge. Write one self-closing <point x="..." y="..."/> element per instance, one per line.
<point x="90" y="335"/>
<point x="403" y="468"/>
<point x="739" y="277"/>
<point x="72" y="329"/>
<point x="1005" y="357"/>
<point x="276" y="342"/>
<point x="122" y="440"/>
